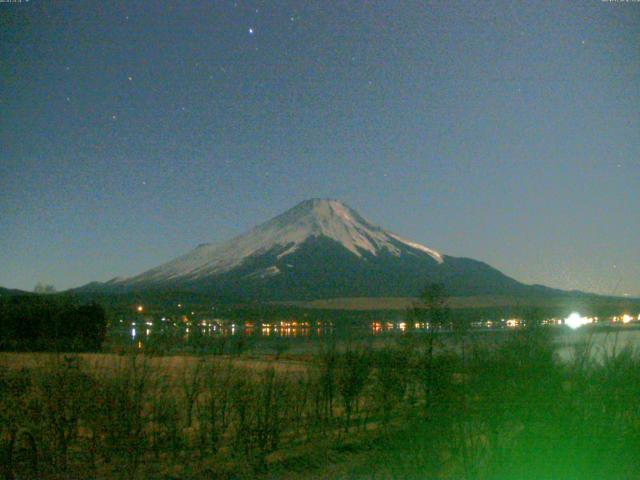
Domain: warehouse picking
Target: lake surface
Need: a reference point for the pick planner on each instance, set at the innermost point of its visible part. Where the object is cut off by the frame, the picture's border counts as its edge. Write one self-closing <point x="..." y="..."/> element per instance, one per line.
<point x="602" y="341"/>
<point x="601" y="344"/>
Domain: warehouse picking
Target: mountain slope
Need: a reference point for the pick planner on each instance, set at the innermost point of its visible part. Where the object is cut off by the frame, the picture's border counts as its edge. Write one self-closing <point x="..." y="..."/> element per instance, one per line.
<point x="284" y="234"/>
<point x="319" y="249"/>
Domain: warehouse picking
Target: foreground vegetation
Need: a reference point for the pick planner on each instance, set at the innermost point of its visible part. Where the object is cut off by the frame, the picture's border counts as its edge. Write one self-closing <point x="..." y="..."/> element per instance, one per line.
<point x="414" y="409"/>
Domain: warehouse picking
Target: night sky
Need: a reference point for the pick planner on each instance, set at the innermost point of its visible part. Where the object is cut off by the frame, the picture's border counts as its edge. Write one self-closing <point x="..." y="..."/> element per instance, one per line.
<point x="508" y="132"/>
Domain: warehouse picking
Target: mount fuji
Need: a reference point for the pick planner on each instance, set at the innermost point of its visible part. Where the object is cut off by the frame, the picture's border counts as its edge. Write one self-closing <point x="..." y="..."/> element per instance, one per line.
<point x="318" y="249"/>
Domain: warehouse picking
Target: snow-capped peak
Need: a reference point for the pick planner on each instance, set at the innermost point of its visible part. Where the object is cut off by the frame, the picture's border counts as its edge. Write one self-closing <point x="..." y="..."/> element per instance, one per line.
<point x="311" y="218"/>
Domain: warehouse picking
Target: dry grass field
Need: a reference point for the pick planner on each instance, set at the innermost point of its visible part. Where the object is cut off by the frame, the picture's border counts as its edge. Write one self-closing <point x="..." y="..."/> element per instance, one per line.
<point x="473" y="301"/>
<point x="173" y="365"/>
<point x="405" y="409"/>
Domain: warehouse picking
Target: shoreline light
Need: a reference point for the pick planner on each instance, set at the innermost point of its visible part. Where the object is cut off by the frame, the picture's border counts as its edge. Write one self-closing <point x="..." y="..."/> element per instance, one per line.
<point x="575" y="320"/>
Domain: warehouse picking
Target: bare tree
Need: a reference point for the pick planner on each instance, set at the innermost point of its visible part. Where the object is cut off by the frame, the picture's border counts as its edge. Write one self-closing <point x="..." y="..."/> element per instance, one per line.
<point x="44" y="288"/>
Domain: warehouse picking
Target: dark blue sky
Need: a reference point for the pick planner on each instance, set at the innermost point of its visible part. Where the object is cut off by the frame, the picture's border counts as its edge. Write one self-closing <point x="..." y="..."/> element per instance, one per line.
<point x="504" y="131"/>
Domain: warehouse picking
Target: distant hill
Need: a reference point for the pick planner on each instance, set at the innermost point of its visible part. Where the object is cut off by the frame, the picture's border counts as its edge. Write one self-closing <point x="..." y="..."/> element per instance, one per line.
<point x="6" y="292"/>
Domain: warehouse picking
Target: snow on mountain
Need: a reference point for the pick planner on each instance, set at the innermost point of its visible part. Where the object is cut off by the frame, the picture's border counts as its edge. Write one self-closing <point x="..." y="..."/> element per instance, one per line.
<point x="286" y="232"/>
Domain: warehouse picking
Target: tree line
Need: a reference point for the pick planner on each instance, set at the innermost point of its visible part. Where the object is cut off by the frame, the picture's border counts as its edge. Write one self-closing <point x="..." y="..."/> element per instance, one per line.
<point x="39" y="323"/>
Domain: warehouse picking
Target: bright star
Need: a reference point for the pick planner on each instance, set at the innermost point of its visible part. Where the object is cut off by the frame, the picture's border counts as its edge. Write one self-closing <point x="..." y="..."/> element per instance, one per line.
<point x="250" y="31"/>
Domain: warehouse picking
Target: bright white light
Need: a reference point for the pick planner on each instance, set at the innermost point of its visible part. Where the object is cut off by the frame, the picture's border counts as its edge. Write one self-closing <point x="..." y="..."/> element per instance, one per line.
<point x="133" y="333"/>
<point x="251" y="31"/>
<point x="575" y="320"/>
<point x="626" y="318"/>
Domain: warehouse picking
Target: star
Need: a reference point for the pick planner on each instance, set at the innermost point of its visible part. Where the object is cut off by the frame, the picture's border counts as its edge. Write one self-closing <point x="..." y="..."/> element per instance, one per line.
<point x="130" y="78"/>
<point x="250" y="31"/>
<point x="114" y="117"/>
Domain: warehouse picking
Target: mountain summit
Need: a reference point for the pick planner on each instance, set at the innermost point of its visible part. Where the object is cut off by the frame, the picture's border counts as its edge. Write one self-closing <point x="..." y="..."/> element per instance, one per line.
<point x="318" y="249"/>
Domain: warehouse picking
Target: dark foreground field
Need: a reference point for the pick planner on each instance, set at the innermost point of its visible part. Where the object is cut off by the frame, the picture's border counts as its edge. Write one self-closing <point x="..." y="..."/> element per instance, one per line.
<point x="411" y="409"/>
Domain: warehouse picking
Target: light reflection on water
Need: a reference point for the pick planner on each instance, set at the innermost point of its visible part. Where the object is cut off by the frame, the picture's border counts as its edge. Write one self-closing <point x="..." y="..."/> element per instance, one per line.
<point x="602" y="342"/>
